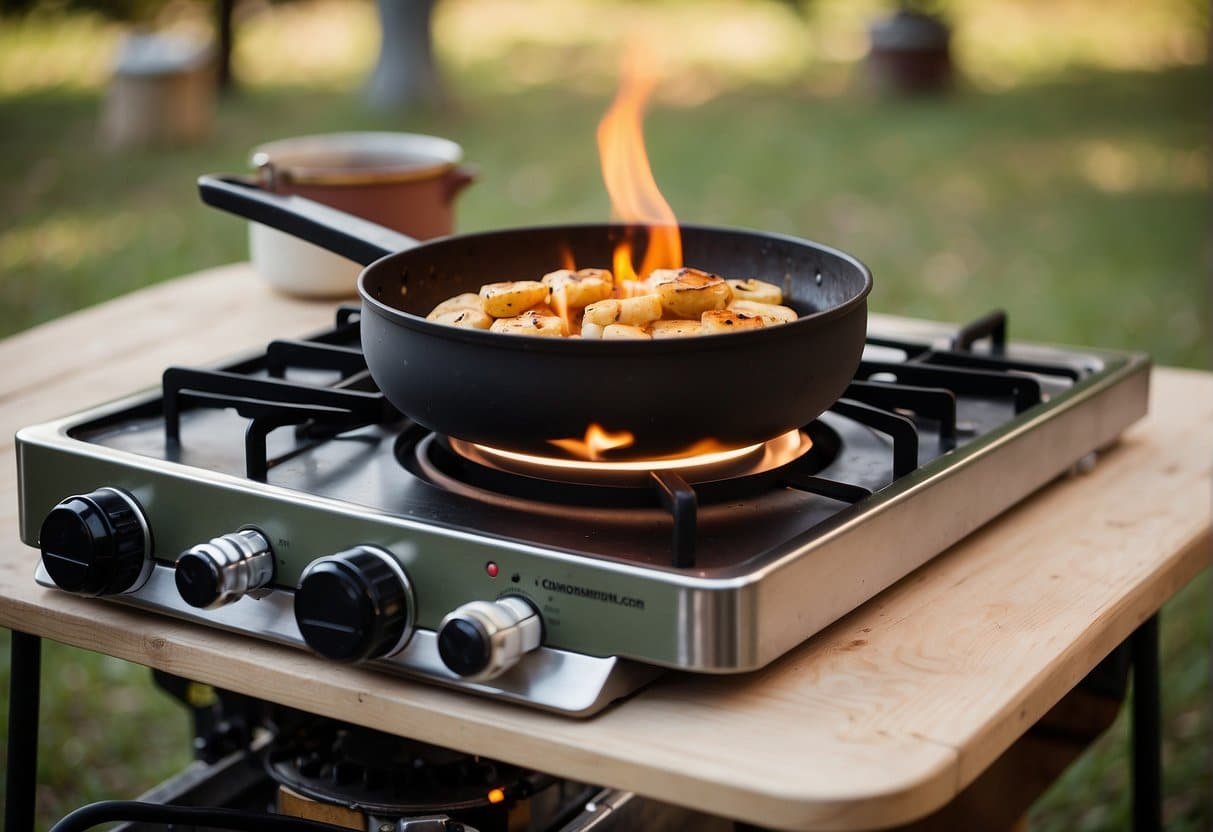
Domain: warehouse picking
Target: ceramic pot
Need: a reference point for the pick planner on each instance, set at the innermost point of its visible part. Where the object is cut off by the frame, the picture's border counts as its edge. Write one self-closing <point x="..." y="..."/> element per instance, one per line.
<point x="405" y="181"/>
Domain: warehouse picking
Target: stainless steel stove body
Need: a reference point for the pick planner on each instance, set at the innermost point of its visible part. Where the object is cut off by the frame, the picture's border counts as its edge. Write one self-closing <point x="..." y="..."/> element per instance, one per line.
<point x="617" y="593"/>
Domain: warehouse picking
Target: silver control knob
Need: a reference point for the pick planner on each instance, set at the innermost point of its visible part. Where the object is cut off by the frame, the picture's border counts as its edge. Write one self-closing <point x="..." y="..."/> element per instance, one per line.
<point x="483" y="639"/>
<point x="216" y="573"/>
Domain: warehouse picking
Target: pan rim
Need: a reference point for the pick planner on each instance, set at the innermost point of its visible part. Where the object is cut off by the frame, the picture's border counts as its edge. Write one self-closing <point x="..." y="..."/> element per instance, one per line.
<point x="594" y="346"/>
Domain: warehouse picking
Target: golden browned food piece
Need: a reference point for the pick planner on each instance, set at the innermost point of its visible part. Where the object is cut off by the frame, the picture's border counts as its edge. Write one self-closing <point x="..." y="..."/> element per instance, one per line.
<point x="540" y="309"/>
<point x="563" y="275"/>
<point x="530" y="323"/>
<point x="623" y="332"/>
<point x="639" y="310"/>
<point x="601" y="313"/>
<point x="674" y="329"/>
<point x="670" y="303"/>
<point x="636" y="311"/>
<point x="758" y="291"/>
<point x="770" y="313"/>
<point x="509" y="299"/>
<point x="576" y="290"/>
<point x="464" y="319"/>
<point x="603" y="274"/>
<point x="691" y="293"/>
<point x="659" y="276"/>
<point x="465" y="301"/>
<point x="716" y="321"/>
<point x="632" y="288"/>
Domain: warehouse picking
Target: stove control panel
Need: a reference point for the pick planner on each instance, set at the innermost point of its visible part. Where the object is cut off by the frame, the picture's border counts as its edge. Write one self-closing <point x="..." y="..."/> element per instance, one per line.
<point x="97" y="543"/>
<point x="355" y="605"/>
<point x="483" y="639"/>
<point x="227" y="568"/>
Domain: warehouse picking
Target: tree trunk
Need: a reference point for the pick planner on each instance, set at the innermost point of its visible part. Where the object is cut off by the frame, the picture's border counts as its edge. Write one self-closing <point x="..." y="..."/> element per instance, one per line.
<point x="405" y="73"/>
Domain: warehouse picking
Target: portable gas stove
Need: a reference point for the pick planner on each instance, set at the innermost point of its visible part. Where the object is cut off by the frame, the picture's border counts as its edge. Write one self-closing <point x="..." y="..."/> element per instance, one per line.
<point x="281" y="496"/>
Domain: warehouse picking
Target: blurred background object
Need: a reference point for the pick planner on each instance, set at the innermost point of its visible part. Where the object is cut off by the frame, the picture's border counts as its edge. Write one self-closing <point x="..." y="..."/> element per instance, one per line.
<point x="162" y="92"/>
<point x="1066" y="176"/>
<point x="910" y="50"/>
<point x="405" y="72"/>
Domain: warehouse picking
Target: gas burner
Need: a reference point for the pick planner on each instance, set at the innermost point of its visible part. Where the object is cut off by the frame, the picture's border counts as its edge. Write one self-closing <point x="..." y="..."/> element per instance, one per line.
<point x="474" y="469"/>
<point x="576" y="469"/>
<point x="679" y="487"/>
<point x="390" y="777"/>
<point x="700" y="467"/>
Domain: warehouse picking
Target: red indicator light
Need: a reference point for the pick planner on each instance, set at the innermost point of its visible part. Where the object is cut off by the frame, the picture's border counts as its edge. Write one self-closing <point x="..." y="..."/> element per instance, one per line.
<point x="492" y="569"/>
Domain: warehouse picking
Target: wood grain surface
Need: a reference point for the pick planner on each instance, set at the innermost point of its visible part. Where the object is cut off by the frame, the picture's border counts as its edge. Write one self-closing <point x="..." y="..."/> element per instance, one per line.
<point x="879" y="719"/>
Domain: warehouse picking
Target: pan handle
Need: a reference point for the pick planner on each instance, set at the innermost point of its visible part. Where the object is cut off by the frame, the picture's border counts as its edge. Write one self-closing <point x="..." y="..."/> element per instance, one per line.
<point x="360" y="240"/>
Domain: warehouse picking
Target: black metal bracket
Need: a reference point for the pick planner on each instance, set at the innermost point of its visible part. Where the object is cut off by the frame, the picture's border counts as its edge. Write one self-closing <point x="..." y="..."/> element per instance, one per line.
<point x="896" y="426"/>
<point x="1146" y="731"/>
<point x="844" y="492"/>
<point x="24" y="689"/>
<point x="949" y="358"/>
<point x="935" y="403"/>
<point x="679" y="499"/>
<point x="1023" y="390"/>
<point x="264" y="415"/>
<point x="284" y="353"/>
<point x="261" y="397"/>
<point x="275" y="401"/>
<point x="347" y="316"/>
<point x="992" y="325"/>
<point x="256" y="454"/>
<point x="912" y="349"/>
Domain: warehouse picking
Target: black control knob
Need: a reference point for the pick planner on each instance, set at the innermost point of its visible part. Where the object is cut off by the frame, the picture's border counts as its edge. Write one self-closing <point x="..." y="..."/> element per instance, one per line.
<point x="96" y="543"/>
<point x="355" y="605"/>
<point x="483" y="639"/>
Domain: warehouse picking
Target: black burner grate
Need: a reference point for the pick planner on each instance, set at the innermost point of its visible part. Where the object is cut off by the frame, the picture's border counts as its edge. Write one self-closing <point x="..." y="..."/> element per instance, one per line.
<point x="321" y="387"/>
<point x="259" y="390"/>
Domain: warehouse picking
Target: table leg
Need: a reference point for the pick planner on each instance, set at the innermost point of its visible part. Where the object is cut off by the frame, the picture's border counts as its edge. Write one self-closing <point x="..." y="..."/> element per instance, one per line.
<point x="25" y="671"/>
<point x="1146" y="729"/>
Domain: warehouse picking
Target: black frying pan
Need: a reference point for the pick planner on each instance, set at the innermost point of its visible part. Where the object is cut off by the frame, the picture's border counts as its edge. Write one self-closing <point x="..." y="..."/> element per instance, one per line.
<point x="516" y="392"/>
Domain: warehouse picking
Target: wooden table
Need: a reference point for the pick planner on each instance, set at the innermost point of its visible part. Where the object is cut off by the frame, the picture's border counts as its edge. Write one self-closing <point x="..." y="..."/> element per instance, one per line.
<point x="881" y="718"/>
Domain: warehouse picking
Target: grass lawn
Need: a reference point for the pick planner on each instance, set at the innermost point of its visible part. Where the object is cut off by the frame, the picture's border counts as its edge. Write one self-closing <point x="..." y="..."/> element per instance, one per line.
<point x="1066" y="182"/>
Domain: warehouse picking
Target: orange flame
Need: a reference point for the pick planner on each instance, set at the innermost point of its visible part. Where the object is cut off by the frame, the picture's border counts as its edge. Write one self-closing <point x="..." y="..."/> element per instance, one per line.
<point x="561" y="307"/>
<point x="621" y="265"/>
<point x="566" y="258"/>
<point x="598" y="440"/>
<point x="635" y="197"/>
<point x="701" y="447"/>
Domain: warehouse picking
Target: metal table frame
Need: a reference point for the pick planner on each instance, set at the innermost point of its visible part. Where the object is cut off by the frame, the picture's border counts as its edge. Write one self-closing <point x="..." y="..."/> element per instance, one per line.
<point x="25" y="664"/>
